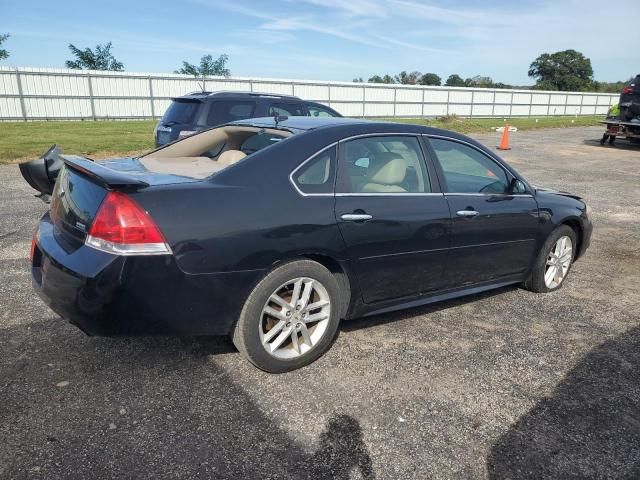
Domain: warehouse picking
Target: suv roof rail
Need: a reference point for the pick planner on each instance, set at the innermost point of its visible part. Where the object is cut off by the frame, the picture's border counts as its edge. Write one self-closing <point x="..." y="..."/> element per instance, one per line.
<point x="230" y="93"/>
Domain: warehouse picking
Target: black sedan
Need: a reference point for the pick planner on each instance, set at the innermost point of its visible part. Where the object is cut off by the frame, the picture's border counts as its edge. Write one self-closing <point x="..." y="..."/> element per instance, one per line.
<point x="273" y="230"/>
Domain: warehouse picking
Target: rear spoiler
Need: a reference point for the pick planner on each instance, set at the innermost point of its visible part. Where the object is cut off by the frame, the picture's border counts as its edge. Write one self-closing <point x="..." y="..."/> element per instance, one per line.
<point x="102" y="175"/>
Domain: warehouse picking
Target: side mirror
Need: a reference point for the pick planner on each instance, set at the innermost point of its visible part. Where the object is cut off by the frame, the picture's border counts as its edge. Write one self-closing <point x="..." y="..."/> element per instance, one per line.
<point x="517" y="186"/>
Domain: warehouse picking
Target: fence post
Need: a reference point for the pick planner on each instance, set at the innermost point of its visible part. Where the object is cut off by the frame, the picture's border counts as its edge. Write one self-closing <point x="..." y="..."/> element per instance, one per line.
<point x="364" y="94"/>
<point x="511" y="105"/>
<point x="493" y="104"/>
<point x="422" y="106"/>
<point x="22" y="105"/>
<point x="151" y="99"/>
<point x="530" y="103"/>
<point x="91" y="102"/>
<point x="549" y="105"/>
<point x="473" y="96"/>
<point x="448" y="96"/>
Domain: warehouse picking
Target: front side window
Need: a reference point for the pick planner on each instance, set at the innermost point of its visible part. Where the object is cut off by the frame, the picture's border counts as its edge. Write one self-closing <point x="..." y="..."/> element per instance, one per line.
<point x="229" y="111"/>
<point x="467" y="170"/>
<point x="382" y="165"/>
<point x="286" y="110"/>
<point x="316" y="176"/>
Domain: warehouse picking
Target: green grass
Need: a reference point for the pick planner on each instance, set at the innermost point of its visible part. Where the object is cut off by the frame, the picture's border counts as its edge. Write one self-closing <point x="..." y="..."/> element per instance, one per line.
<point x="26" y="140"/>
<point x="469" y="125"/>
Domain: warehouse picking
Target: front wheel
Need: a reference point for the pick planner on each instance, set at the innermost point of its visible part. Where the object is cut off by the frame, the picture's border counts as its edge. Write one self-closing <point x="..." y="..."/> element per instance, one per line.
<point x="290" y="317"/>
<point x="554" y="261"/>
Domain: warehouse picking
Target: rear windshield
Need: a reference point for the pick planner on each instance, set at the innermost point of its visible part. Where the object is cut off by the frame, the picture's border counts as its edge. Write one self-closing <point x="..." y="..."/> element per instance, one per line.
<point x="180" y="111"/>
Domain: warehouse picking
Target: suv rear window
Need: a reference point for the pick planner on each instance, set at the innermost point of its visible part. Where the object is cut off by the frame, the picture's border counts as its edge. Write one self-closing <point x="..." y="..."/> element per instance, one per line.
<point x="229" y="111"/>
<point x="181" y="111"/>
<point x="286" y="109"/>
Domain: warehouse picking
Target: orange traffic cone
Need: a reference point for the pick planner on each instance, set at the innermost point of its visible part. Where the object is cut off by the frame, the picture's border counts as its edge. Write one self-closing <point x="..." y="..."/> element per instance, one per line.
<point x="504" y="143"/>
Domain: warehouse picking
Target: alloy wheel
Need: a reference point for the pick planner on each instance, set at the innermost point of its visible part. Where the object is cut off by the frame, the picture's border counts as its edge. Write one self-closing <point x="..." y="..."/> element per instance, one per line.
<point x="558" y="262"/>
<point x="295" y="318"/>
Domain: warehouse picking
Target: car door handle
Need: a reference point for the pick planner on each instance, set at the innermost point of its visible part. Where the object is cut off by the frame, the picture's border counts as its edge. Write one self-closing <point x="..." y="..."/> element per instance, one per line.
<point x="467" y="213"/>
<point x="355" y="217"/>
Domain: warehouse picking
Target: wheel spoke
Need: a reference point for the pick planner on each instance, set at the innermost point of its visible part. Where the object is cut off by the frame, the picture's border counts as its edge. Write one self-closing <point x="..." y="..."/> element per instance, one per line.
<point x="274" y="331"/>
<point x="294" y="340"/>
<point x="305" y="336"/>
<point x="558" y="275"/>
<point x="277" y="299"/>
<point x="566" y="256"/>
<point x="275" y="313"/>
<point x="316" y="317"/>
<point x="314" y="306"/>
<point x="548" y="276"/>
<point x="306" y="293"/>
<point x="284" y="334"/>
<point x="295" y="296"/>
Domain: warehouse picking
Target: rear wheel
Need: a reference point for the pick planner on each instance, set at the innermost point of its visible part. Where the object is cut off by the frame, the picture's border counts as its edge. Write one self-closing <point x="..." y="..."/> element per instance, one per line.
<point x="290" y="317"/>
<point x="554" y="261"/>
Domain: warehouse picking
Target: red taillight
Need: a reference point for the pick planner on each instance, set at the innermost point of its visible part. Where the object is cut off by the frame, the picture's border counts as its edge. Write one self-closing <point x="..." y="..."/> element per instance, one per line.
<point x="627" y="90"/>
<point x="121" y="226"/>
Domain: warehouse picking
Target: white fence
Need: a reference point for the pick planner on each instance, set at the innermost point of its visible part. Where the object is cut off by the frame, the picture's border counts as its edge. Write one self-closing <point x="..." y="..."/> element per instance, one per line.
<point x="62" y="94"/>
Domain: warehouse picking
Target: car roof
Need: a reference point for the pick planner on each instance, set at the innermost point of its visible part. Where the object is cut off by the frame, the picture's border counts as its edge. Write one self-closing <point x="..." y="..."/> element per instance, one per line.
<point x="232" y="94"/>
<point x="301" y="123"/>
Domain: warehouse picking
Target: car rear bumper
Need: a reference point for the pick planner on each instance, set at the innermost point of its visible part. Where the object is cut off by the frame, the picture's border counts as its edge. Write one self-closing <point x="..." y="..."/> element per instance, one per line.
<point x="110" y="295"/>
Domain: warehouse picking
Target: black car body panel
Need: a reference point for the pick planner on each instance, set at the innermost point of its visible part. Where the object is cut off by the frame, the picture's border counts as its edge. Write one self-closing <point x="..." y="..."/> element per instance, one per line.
<point x="227" y="231"/>
<point x="630" y="100"/>
<point x="202" y="110"/>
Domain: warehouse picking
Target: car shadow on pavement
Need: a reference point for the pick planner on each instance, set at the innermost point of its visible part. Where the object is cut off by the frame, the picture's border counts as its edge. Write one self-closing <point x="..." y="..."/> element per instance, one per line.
<point x="80" y="407"/>
<point x="588" y="428"/>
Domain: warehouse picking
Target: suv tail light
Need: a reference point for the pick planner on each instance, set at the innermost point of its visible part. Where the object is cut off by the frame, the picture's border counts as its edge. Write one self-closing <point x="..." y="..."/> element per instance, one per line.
<point x="627" y="90"/>
<point x="122" y="227"/>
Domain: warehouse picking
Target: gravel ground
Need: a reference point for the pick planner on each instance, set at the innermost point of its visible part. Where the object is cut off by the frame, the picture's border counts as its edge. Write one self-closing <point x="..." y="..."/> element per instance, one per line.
<point x="508" y="384"/>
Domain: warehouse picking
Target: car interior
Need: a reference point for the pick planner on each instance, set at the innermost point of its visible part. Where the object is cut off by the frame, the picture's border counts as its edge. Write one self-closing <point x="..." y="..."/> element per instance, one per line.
<point x="201" y="155"/>
<point x="383" y="166"/>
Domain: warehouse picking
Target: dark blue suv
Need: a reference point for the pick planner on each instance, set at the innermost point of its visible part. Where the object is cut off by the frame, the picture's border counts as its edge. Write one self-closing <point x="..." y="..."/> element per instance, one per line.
<point x="201" y="110"/>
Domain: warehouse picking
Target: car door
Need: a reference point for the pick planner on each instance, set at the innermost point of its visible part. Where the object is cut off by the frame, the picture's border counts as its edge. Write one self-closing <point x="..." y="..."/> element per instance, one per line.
<point x="495" y="221"/>
<point x="392" y="216"/>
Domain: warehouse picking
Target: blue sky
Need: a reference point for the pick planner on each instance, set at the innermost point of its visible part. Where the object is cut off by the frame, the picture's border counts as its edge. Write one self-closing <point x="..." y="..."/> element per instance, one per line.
<point x="326" y="39"/>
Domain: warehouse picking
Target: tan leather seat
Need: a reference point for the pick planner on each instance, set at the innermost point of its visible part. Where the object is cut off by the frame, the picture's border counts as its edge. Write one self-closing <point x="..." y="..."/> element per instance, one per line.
<point x="229" y="157"/>
<point x="386" y="173"/>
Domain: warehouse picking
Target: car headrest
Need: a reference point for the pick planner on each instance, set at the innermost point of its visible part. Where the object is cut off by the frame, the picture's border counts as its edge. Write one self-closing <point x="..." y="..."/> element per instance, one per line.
<point x="387" y="168"/>
<point x="229" y="157"/>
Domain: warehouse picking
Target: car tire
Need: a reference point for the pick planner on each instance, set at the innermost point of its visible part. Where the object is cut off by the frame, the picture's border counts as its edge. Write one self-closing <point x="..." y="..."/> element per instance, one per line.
<point x="252" y="332"/>
<point x="536" y="281"/>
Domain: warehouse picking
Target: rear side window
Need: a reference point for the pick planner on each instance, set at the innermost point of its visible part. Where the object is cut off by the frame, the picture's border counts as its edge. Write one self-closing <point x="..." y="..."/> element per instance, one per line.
<point x="181" y="111"/>
<point x="229" y="111"/>
<point x="467" y="170"/>
<point x="317" y="174"/>
<point x="286" y="110"/>
<point x="316" y="110"/>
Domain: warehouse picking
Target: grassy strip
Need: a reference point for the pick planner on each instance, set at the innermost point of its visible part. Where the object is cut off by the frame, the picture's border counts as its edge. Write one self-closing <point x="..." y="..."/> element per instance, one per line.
<point x="26" y="140"/>
<point x="469" y="125"/>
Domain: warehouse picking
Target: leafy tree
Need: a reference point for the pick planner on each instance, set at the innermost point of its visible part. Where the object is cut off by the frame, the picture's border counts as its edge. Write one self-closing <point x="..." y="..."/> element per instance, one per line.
<point x="100" y="59"/>
<point x="567" y="70"/>
<point x="358" y="80"/>
<point x="208" y="67"/>
<point x="379" y="79"/>
<point x="408" y="78"/>
<point x="479" y="82"/>
<point x="455" y="80"/>
<point x="3" y="53"/>
<point x="430" y="79"/>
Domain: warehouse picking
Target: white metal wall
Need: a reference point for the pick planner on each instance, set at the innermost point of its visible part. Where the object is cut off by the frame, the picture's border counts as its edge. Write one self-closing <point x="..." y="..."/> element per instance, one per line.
<point x="47" y="94"/>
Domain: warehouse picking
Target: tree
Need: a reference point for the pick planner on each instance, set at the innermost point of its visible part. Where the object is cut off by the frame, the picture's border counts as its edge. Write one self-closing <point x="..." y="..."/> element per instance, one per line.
<point x="430" y="79"/>
<point x="208" y="67"/>
<point x="3" y="53"/>
<point x="379" y="79"/>
<point x="100" y="59"/>
<point x="454" y="80"/>
<point x="358" y="80"/>
<point x="408" y="78"/>
<point x="479" y="82"/>
<point x="567" y="70"/>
